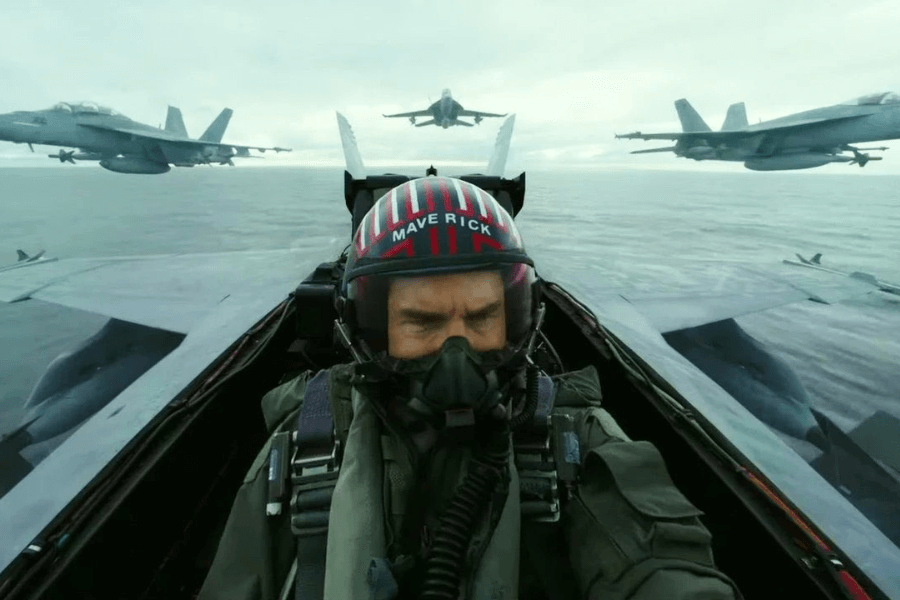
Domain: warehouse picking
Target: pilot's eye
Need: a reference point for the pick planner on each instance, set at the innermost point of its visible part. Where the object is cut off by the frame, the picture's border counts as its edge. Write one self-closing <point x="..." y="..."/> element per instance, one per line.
<point x="479" y="320"/>
<point x="482" y="319"/>
<point x="424" y="324"/>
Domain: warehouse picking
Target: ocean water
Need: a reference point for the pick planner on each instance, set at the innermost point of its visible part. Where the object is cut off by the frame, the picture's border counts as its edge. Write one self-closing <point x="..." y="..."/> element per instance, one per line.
<point x="640" y="226"/>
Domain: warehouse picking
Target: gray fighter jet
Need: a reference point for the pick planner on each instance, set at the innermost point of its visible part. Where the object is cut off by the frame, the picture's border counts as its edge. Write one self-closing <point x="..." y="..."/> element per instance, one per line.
<point x="120" y="144"/>
<point x="800" y="141"/>
<point x="445" y="113"/>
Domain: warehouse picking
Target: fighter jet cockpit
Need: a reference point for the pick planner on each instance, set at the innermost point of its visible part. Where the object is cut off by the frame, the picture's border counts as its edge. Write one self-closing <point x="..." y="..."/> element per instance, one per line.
<point x="874" y="99"/>
<point x="84" y="108"/>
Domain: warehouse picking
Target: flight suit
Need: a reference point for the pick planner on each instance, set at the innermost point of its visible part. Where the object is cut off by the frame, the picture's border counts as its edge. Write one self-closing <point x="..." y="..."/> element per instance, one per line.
<point x="627" y="532"/>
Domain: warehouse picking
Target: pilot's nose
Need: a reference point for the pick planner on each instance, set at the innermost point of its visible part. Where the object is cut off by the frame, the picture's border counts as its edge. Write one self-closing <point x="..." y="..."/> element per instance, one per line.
<point x="456" y="328"/>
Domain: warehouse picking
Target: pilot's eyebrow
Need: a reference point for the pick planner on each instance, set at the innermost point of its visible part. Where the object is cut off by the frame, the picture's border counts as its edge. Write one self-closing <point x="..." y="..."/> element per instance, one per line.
<point x="417" y="314"/>
<point x="485" y="311"/>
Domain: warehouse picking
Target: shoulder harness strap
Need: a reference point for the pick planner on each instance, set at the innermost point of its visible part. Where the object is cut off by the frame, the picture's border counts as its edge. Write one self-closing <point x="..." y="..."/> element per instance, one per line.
<point x="546" y="453"/>
<point x="314" y="471"/>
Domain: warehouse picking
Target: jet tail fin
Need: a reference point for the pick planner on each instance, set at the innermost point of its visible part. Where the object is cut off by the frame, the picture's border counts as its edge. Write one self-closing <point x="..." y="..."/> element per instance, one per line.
<point x="878" y="436"/>
<point x="351" y="152"/>
<point x="864" y="466"/>
<point x="736" y="117"/>
<point x="23" y="257"/>
<point x="812" y="261"/>
<point x="691" y="121"/>
<point x="497" y="164"/>
<point x="216" y="129"/>
<point x="13" y="467"/>
<point x="174" y="122"/>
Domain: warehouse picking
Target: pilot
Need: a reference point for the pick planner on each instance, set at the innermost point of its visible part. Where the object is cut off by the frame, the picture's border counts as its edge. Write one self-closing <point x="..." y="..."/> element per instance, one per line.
<point x="428" y="471"/>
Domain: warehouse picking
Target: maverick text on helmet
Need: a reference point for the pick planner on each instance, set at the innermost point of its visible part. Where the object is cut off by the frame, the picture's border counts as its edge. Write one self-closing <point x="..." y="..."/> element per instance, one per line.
<point x="433" y="226"/>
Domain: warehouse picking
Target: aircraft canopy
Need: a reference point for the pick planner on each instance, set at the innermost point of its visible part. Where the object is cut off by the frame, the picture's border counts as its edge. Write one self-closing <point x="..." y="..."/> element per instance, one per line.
<point x="84" y="107"/>
<point x="879" y="98"/>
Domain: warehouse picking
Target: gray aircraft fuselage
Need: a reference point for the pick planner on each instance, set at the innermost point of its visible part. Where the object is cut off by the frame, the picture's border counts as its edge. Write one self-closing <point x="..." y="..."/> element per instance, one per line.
<point x="116" y="151"/>
<point x="119" y="143"/>
<point x="445" y="113"/>
<point x="762" y="383"/>
<point x="802" y="140"/>
<point x="877" y="123"/>
<point x="446" y="110"/>
<point x="58" y="128"/>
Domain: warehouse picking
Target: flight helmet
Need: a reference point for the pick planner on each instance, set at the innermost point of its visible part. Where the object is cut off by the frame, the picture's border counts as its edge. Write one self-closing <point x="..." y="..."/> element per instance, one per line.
<point x="433" y="226"/>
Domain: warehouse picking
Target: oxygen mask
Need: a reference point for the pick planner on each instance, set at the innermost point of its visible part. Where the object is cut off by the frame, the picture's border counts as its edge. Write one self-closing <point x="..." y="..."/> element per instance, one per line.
<point x="457" y="385"/>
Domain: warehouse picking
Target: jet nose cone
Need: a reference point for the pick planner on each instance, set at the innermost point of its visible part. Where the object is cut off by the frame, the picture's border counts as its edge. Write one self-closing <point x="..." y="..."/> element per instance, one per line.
<point x="6" y="126"/>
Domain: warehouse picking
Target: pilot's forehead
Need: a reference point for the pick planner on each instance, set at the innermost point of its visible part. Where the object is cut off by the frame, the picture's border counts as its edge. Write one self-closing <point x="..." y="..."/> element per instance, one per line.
<point x="475" y="288"/>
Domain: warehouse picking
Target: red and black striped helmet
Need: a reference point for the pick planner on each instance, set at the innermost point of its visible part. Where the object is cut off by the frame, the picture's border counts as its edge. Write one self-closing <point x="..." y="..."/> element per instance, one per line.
<point x="430" y="226"/>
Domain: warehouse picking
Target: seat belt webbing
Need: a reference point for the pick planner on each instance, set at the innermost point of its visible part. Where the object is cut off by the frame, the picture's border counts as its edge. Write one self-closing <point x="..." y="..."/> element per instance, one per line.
<point x="314" y="475"/>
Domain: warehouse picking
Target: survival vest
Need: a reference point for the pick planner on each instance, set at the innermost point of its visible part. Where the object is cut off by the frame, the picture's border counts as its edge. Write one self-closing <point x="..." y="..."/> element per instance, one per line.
<point x="310" y="459"/>
<point x="622" y="531"/>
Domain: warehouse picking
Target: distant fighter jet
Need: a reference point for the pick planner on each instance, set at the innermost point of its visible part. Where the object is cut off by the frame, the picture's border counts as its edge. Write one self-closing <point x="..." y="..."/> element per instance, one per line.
<point x="800" y="141"/>
<point x="445" y="112"/>
<point x="120" y="144"/>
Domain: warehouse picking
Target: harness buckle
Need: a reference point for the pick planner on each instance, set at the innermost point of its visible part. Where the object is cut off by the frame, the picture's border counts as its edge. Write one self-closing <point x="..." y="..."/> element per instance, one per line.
<point x="538" y="478"/>
<point x="548" y="465"/>
<point x="315" y="464"/>
<point x="313" y="478"/>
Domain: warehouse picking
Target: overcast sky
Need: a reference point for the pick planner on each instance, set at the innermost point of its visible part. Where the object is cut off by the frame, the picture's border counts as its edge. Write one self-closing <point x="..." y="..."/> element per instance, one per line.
<point x="574" y="73"/>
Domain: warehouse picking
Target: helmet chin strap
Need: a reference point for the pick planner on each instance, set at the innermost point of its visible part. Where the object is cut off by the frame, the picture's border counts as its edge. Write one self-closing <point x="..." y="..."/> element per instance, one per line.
<point x="535" y="329"/>
<point x="343" y="334"/>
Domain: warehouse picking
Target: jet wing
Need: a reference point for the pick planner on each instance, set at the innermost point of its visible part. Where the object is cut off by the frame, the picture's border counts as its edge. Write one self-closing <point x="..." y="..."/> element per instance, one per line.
<point x="415" y="113"/>
<point x="730" y="291"/>
<point x="713" y="291"/>
<point x="726" y="136"/>
<point x="164" y="136"/>
<point x="476" y="113"/>
<point x="171" y="292"/>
